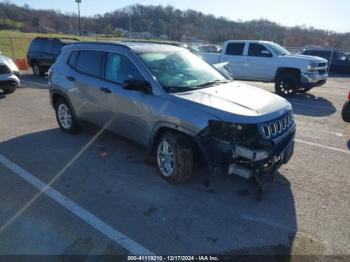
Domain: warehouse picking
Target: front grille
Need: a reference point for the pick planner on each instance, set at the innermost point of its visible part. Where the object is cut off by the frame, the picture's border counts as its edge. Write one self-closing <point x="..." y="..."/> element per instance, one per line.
<point x="322" y="65"/>
<point x="321" y="72"/>
<point x="276" y="128"/>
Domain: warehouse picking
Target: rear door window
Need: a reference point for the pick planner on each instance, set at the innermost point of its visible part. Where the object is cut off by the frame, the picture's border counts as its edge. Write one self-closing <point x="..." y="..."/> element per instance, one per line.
<point x="119" y="68"/>
<point x="91" y="63"/>
<point x="235" y="49"/>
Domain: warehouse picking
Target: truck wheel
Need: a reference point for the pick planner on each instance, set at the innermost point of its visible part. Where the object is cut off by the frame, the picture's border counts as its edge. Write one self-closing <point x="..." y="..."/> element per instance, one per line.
<point x="174" y="157"/>
<point x="286" y="85"/>
<point x="65" y="117"/>
<point x="37" y="71"/>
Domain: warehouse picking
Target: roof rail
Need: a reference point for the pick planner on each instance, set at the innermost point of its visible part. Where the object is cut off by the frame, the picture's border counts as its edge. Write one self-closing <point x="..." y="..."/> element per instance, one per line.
<point x="100" y="43"/>
<point x="57" y="38"/>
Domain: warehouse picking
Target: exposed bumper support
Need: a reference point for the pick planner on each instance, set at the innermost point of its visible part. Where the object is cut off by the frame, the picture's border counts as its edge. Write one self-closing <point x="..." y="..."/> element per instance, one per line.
<point x="261" y="161"/>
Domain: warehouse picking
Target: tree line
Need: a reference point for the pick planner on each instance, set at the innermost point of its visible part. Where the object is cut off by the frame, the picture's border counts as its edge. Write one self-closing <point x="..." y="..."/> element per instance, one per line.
<point x="166" y="21"/>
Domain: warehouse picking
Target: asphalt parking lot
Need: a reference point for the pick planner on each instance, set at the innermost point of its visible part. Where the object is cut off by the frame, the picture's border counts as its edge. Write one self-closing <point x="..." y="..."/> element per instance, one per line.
<point x="106" y="198"/>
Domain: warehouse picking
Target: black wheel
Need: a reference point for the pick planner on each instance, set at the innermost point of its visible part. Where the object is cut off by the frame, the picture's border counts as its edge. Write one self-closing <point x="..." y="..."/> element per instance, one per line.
<point x="303" y="89"/>
<point x="37" y="70"/>
<point x="174" y="157"/>
<point x="9" y="91"/>
<point x="286" y="85"/>
<point x="65" y="117"/>
<point x="345" y="113"/>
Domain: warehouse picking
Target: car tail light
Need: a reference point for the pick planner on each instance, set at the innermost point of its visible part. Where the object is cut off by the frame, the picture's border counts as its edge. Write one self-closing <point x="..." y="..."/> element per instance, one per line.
<point x="349" y="96"/>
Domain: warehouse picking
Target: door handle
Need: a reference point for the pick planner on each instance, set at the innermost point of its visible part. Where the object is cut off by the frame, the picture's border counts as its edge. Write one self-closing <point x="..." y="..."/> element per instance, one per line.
<point x="106" y="90"/>
<point x="70" y="78"/>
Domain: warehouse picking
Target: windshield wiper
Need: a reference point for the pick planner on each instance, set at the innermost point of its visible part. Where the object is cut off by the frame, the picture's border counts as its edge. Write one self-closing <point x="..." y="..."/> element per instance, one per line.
<point x="211" y="83"/>
<point x="175" y="89"/>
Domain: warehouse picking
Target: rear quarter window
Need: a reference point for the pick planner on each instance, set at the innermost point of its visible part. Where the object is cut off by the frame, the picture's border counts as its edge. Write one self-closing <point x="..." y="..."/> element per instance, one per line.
<point x="235" y="48"/>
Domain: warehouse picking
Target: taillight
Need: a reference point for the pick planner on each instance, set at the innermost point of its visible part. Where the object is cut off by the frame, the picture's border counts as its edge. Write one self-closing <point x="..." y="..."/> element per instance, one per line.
<point x="349" y="96"/>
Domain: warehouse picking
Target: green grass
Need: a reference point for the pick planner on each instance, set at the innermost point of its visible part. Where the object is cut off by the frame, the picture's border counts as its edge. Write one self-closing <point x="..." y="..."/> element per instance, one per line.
<point x="21" y="41"/>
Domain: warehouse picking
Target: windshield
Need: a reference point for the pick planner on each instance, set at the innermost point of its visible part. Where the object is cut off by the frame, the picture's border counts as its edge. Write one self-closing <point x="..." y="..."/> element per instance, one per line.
<point x="279" y="50"/>
<point x="180" y="71"/>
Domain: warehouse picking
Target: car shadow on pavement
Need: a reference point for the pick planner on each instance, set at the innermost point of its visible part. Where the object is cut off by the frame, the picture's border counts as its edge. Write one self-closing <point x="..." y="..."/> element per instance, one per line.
<point x="221" y="217"/>
<point x="310" y="105"/>
<point x="32" y="81"/>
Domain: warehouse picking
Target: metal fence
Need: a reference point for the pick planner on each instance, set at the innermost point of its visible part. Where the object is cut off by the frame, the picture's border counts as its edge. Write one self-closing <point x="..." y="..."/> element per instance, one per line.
<point x="16" y="47"/>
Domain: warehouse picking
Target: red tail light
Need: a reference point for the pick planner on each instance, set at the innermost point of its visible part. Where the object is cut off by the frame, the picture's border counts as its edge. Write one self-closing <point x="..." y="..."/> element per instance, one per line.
<point x="349" y="96"/>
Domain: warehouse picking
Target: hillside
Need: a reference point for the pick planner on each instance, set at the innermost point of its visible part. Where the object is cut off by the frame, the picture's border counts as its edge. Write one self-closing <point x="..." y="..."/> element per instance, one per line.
<point x="166" y="22"/>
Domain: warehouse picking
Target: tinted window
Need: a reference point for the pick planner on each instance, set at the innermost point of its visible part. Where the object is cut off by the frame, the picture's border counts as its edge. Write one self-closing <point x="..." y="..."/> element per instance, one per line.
<point x="36" y="45"/>
<point x="119" y="68"/>
<point x="91" y="63"/>
<point x="258" y="50"/>
<point x="56" y="48"/>
<point x="47" y="46"/>
<point x="235" y="49"/>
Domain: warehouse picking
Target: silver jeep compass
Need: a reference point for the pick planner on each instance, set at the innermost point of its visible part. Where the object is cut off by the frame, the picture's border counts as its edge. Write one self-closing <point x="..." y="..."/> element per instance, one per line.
<point x="169" y="100"/>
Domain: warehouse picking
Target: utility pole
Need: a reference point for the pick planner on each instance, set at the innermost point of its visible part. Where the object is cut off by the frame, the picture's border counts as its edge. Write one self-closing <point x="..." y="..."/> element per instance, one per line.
<point x="79" y="2"/>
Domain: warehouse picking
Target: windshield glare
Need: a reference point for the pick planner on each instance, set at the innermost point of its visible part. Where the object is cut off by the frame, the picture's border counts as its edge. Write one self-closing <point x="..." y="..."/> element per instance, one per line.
<point x="179" y="71"/>
<point x="279" y="50"/>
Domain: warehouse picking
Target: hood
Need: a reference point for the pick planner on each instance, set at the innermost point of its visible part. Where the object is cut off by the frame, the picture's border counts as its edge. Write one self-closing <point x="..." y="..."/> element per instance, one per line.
<point x="8" y="61"/>
<point x="307" y="57"/>
<point x="236" y="101"/>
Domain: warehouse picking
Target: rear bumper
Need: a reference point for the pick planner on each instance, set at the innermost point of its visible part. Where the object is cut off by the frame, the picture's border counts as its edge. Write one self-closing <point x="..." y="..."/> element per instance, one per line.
<point x="313" y="79"/>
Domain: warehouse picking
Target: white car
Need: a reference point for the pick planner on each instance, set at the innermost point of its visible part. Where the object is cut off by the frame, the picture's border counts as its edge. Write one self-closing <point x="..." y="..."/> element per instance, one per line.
<point x="269" y="62"/>
<point x="9" y="75"/>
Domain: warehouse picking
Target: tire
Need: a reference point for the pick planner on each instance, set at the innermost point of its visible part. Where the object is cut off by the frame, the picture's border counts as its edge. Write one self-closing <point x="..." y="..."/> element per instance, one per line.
<point x="9" y="91"/>
<point x="37" y="70"/>
<point x="65" y="117"/>
<point x="180" y="163"/>
<point x="286" y="85"/>
<point x="345" y="113"/>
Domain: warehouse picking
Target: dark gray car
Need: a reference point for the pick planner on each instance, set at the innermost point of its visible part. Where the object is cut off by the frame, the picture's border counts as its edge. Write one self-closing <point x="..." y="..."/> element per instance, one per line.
<point x="171" y="101"/>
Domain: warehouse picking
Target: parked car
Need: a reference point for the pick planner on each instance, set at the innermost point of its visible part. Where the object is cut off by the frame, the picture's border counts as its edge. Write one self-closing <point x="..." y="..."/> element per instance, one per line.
<point x="208" y="49"/>
<point x="178" y="106"/>
<point x="9" y="75"/>
<point x="269" y="62"/>
<point x="345" y="113"/>
<point x="340" y="62"/>
<point x="43" y="52"/>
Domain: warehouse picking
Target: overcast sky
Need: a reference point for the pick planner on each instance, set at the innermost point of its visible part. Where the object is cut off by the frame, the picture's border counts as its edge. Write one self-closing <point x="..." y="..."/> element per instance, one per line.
<point x="323" y="14"/>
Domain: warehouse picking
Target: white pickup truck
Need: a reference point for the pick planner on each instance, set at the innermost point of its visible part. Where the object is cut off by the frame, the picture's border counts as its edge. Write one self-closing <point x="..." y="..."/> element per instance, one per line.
<point x="269" y="62"/>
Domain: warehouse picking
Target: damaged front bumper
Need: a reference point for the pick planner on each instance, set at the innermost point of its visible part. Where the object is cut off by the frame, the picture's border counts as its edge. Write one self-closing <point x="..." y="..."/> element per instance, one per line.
<point x="244" y="152"/>
<point x="262" y="163"/>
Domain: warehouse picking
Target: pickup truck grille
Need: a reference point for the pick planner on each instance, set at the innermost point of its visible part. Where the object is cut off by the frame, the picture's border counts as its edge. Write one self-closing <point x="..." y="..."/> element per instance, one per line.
<point x="276" y="128"/>
<point x="322" y="68"/>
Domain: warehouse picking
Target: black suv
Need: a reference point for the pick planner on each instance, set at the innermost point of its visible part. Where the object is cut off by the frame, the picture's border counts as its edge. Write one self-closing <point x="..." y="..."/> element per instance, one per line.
<point x="340" y="61"/>
<point x="42" y="53"/>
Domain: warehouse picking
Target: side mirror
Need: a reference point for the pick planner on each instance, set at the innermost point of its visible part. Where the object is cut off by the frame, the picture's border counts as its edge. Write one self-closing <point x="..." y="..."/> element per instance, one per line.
<point x="137" y="85"/>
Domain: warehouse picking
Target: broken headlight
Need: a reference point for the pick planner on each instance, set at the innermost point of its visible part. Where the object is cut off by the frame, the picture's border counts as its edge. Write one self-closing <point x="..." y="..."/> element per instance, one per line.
<point x="245" y="134"/>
